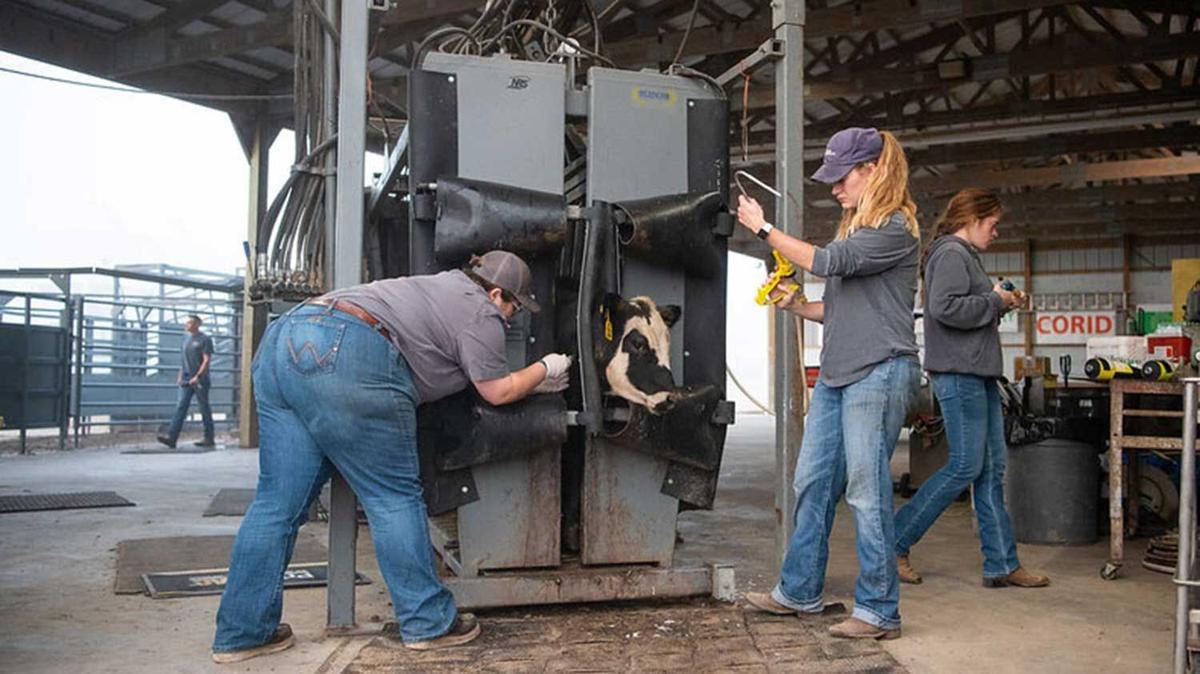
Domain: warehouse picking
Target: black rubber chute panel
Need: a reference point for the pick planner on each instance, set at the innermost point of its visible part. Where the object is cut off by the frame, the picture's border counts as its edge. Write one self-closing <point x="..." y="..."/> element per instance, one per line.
<point x="686" y="434"/>
<point x="474" y="216"/>
<point x="462" y="430"/>
<point x="674" y="231"/>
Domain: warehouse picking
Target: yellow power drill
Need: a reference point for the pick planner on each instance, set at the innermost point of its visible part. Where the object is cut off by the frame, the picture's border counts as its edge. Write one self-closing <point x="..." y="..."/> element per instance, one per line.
<point x="784" y="269"/>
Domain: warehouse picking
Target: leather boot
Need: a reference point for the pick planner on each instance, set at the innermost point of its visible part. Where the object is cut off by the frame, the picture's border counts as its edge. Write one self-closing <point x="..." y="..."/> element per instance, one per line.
<point x="1020" y="578"/>
<point x="853" y="628"/>
<point x="906" y="572"/>
<point x="763" y="601"/>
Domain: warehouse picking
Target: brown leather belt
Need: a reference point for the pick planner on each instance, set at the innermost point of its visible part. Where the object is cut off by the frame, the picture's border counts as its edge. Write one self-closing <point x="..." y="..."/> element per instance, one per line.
<point x="355" y="311"/>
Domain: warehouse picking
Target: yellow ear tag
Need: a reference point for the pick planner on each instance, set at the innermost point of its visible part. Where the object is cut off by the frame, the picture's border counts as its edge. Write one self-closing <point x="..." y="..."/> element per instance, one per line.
<point x="608" y="329"/>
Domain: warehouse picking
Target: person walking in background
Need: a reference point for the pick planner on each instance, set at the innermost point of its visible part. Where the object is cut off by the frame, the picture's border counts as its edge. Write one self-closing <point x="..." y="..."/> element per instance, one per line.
<point x="869" y="378"/>
<point x="962" y="354"/>
<point x="193" y="381"/>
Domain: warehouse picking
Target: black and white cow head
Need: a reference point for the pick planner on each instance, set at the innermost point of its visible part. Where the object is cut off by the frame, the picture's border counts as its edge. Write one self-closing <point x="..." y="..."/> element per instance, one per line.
<point x="633" y="351"/>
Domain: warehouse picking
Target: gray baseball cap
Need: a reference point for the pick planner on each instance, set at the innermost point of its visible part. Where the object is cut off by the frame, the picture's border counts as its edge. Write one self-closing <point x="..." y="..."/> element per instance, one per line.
<point x="845" y="150"/>
<point x="507" y="272"/>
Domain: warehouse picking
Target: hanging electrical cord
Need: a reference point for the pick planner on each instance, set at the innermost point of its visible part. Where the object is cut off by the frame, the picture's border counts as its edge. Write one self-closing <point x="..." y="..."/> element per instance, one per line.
<point x="498" y="29"/>
<point x="597" y="37"/>
<point x="574" y="44"/>
<point x="686" y="71"/>
<point x="687" y="33"/>
<point x="805" y="401"/>
<point x="738" y="384"/>
<point x="677" y="68"/>
<point x="442" y="34"/>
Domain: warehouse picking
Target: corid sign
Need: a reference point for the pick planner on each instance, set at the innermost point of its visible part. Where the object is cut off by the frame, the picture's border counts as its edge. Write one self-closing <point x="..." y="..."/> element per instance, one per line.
<point x="1073" y="327"/>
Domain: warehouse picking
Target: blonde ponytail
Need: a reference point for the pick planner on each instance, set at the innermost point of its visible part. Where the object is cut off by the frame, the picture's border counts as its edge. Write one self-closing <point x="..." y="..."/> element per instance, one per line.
<point x="886" y="192"/>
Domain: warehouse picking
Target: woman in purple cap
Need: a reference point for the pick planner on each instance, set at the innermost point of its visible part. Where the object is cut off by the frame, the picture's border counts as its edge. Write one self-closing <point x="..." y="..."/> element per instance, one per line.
<point x="870" y="374"/>
<point x="337" y="381"/>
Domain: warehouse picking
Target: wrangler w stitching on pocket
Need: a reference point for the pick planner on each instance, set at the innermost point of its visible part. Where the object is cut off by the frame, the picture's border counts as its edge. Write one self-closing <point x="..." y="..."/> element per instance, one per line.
<point x="313" y="347"/>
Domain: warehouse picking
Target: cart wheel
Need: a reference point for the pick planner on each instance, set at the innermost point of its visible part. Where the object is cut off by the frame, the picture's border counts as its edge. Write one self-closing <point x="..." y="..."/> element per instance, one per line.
<point x="1110" y="571"/>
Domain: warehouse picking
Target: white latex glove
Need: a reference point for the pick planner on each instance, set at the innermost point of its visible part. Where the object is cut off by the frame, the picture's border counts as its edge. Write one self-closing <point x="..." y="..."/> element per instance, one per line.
<point x="553" y="384"/>
<point x="557" y="365"/>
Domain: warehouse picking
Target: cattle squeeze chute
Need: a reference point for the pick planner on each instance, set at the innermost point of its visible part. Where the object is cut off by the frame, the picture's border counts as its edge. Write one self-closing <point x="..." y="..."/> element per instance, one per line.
<point x="616" y="194"/>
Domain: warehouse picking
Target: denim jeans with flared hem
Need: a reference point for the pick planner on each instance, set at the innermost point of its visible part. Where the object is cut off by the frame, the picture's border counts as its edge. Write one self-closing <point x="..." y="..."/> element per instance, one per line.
<point x="974" y="423"/>
<point x="849" y="436"/>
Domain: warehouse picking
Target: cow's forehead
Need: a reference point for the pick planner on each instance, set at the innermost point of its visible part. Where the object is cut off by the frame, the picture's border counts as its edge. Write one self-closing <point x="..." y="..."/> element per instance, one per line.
<point x="650" y="323"/>
<point x="644" y="307"/>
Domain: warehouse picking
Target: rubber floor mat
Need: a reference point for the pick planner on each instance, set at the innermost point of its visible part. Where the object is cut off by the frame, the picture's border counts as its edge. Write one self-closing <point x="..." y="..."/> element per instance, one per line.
<point x="23" y="503"/>
<point x="230" y="502"/>
<point x="212" y="581"/>
<point x="184" y="553"/>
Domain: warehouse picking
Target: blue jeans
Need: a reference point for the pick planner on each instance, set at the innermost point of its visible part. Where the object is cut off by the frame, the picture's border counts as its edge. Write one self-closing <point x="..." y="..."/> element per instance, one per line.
<point x="332" y="393"/>
<point x="974" y="423"/>
<point x="200" y="391"/>
<point x="849" y="437"/>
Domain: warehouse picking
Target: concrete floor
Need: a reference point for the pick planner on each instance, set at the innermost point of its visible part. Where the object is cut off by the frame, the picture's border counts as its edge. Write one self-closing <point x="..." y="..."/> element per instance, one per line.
<point x="59" y="613"/>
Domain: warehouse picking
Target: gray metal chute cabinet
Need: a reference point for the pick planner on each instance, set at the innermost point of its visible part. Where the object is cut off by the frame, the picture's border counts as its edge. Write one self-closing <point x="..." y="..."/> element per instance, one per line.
<point x="532" y="502"/>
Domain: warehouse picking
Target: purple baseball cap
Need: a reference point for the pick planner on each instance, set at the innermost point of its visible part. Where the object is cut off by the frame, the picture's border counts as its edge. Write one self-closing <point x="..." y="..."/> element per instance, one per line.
<point x="845" y="150"/>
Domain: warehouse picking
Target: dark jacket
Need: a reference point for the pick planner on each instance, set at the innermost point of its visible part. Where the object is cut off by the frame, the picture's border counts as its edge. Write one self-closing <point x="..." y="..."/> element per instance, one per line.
<point x="962" y="313"/>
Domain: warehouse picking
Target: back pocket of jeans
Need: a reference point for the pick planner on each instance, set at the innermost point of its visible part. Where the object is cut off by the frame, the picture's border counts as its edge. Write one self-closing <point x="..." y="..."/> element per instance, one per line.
<point x="313" y="345"/>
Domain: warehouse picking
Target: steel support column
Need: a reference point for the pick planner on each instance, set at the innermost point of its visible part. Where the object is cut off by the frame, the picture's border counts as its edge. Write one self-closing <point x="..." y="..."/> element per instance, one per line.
<point x="254" y="317"/>
<point x="1030" y="312"/>
<point x="1187" y="527"/>
<point x="346" y="270"/>
<point x="787" y="18"/>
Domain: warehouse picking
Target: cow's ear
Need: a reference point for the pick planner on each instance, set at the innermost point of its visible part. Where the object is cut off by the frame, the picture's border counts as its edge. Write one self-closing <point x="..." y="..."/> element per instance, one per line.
<point x="670" y="313"/>
<point x="611" y="302"/>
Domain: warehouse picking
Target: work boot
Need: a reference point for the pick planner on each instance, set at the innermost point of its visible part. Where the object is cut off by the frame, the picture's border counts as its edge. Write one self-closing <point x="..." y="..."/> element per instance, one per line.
<point x="206" y="443"/>
<point x="464" y="630"/>
<point x="281" y="641"/>
<point x="167" y="441"/>
<point x="853" y="628"/>
<point x="906" y="572"/>
<point x="763" y="601"/>
<point x="1019" y="578"/>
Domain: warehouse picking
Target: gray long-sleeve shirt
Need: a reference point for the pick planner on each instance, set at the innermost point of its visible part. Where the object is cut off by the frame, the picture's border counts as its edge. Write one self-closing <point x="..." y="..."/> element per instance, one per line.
<point x="870" y="293"/>
<point x="962" y="313"/>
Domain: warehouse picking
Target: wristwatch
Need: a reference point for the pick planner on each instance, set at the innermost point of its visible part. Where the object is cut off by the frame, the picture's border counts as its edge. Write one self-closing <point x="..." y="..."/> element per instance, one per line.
<point x="765" y="231"/>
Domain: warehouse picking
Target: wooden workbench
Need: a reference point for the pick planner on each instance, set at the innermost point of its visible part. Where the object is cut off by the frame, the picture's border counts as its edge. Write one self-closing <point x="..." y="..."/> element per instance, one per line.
<point x="1122" y="488"/>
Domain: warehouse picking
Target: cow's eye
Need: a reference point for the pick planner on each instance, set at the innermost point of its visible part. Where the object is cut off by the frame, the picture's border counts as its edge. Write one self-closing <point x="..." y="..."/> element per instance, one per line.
<point x="636" y="342"/>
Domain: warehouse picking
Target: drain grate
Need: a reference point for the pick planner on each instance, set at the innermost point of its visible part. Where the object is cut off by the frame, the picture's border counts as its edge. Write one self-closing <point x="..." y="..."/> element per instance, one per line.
<point x="23" y="503"/>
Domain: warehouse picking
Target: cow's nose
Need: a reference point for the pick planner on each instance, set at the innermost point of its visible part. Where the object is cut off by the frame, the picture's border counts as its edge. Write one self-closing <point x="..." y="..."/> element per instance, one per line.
<point x="667" y="403"/>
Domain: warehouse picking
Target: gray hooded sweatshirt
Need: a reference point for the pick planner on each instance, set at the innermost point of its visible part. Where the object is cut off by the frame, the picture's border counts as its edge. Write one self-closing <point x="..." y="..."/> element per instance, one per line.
<point x="962" y="313"/>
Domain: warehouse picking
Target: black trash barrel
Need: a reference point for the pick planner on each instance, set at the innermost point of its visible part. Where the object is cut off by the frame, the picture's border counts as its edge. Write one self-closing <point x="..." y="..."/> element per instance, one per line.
<point x="1053" y="491"/>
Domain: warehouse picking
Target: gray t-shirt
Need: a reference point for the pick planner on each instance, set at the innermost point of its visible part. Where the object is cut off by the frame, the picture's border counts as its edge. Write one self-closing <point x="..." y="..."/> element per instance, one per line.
<point x="870" y="292"/>
<point x="448" y="330"/>
<point x="194" y="348"/>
